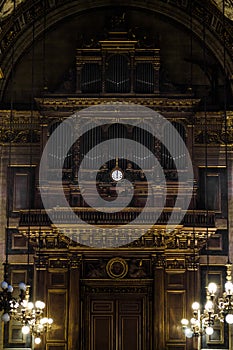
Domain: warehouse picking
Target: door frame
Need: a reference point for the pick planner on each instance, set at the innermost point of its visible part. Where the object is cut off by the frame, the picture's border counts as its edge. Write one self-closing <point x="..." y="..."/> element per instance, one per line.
<point x="117" y="290"/>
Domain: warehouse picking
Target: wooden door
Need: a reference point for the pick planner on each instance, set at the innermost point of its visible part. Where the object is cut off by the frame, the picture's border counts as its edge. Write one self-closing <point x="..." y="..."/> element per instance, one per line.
<point x="115" y="324"/>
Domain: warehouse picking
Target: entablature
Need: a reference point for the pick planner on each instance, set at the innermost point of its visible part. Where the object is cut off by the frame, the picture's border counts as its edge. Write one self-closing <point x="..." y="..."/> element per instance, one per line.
<point x="191" y="235"/>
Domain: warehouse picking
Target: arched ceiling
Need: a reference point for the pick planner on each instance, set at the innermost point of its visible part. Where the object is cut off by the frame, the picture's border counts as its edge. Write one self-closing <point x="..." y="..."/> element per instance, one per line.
<point x="228" y="7"/>
<point x="7" y="7"/>
<point x="16" y="34"/>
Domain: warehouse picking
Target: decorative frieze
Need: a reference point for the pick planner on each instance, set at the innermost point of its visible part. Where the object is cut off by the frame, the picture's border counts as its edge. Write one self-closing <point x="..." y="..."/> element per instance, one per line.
<point x="19" y="127"/>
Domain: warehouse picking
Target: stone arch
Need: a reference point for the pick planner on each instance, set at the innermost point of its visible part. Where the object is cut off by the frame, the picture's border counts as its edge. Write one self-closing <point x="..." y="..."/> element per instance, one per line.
<point x="17" y="31"/>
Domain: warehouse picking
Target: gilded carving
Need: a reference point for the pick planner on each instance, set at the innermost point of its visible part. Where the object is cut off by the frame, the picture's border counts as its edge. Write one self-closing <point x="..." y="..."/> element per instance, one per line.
<point x="19" y="136"/>
<point x="228" y="7"/>
<point x="211" y="128"/>
<point x="97" y="270"/>
<point x="77" y="103"/>
<point x="117" y="290"/>
<point x="117" y="268"/>
<point x="189" y="262"/>
<point x="25" y="16"/>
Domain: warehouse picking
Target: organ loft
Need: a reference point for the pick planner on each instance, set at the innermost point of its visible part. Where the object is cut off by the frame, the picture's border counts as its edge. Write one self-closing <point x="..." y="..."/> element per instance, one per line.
<point x="116" y="134"/>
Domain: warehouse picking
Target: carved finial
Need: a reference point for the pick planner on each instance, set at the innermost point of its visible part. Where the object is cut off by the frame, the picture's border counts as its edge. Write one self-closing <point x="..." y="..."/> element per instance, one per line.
<point x="118" y="23"/>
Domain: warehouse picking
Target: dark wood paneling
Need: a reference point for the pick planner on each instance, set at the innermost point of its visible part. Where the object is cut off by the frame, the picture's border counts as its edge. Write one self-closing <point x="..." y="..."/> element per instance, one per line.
<point x="102" y="325"/>
<point x="175" y="280"/>
<point x="174" y="313"/>
<point x="57" y="301"/>
<point x="176" y="347"/>
<point x="116" y="324"/>
<point x="102" y="332"/>
<point x="130" y="324"/>
<point x="58" y="279"/>
<point x="130" y="332"/>
<point x="99" y="306"/>
<point x="56" y="347"/>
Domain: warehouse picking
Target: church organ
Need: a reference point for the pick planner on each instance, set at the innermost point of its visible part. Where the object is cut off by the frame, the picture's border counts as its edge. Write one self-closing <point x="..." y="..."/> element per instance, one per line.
<point x="130" y="296"/>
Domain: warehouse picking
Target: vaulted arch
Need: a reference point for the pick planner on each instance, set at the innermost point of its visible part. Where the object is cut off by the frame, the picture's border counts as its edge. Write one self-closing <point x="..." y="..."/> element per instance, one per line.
<point x="16" y="35"/>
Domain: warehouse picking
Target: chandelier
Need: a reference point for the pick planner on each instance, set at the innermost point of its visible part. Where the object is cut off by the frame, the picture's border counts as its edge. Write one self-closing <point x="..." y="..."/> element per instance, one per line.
<point x="7" y="301"/>
<point x="29" y="314"/>
<point x="216" y="309"/>
<point x="225" y="303"/>
<point x="202" y="323"/>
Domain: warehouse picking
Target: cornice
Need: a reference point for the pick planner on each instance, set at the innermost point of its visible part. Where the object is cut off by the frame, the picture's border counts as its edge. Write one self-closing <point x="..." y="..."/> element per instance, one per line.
<point x="71" y="104"/>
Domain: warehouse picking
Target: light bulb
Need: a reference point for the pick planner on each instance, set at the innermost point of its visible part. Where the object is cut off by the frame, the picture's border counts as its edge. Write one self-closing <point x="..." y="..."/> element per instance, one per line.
<point x="30" y="305"/>
<point x="39" y="304"/>
<point x="209" y="330"/>
<point x="188" y="333"/>
<point x="229" y="318"/>
<point x="229" y="288"/>
<point x="10" y="288"/>
<point x="212" y="288"/>
<point x="184" y="322"/>
<point x="24" y="303"/>
<point x="22" y="286"/>
<point x="6" y="317"/>
<point x="195" y="306"/>
<point x="25" y="329"/>
<point x="44" y="320"/>
<point x="4" y="285"/>
<point x="193" y="320"/>
<point x="50" y="320"/>
<point x="40" y="328"/>
<point x="209" y="306"/>
<point x="37" y="340"/>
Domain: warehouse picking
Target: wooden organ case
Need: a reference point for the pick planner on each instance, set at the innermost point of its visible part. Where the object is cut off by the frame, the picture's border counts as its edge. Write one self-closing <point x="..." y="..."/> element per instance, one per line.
<point x="134" y="296"/>
<point x="118" y="65"/>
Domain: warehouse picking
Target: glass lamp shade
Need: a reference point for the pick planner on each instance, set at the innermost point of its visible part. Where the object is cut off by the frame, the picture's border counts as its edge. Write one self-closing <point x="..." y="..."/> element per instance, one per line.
<point x="50" y="320"/>
<point x="209" y="330"/>
<point x="22" y="286"/>
<point x="212" y="288"/>
<point x="10" y="288"/>
<point x="30" y="305"/>
<point x="39" y="304"/>
<point x="37" y="340"/>
<point x="6" y="317"/>
<point x="209" y="306"/>
<point x="193" y="321"/>
<point x="44" y="320"/>
<point x="24" y="303"/>
<point x="184" y="322"/>
<point x="229" y="288"/>
<point x="25" y="330"/>
<point x="195" y="306"/>
<point x="229" y="318"/>
<point x="188" y="333"/>
<point x="4" y="285"/>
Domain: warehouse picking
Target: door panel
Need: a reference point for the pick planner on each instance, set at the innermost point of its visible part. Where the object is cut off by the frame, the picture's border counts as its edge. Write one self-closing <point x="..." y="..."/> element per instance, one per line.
<point x="102" y="332"/>
<point x="102" y="325"/>
<point x="130" y="325"/>
<point x="115" y="324"/>
<point x="129" y="333"/>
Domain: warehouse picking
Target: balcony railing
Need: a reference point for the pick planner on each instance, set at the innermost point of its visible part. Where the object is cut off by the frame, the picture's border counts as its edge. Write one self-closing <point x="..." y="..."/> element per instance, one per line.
<point x="61" y="216"/>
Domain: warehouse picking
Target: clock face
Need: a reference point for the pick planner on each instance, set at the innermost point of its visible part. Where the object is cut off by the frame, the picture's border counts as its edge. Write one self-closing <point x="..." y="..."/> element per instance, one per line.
<point x="117" y="175"/>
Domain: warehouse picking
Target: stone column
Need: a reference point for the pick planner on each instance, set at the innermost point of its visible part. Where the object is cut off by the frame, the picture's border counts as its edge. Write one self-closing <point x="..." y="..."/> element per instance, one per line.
<point x="193" y="294"/>
<point x="74" y="309"/>
<point x="40" y="283"/>
<point x="159" y="303"/>
<point x="230" y="226"/>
